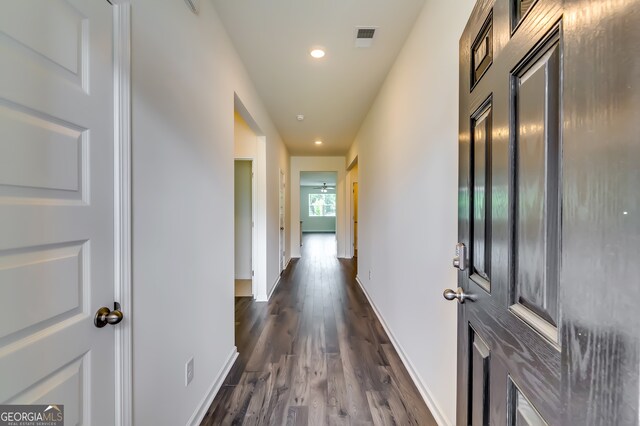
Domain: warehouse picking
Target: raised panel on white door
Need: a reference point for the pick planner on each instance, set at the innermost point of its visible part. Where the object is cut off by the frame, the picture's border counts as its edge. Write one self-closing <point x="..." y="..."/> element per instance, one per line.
<point x="40" y="156"/>
<point x="60" y="40"/>
<point x="49" y="280"/>
<point x="64" y="387"/>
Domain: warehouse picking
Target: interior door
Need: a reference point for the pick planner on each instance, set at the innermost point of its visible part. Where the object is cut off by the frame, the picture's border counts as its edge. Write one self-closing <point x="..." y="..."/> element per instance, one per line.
<point x="355" y="219"/>
<point x="282" y="251"/>
<point x="243" y="223"/>
<point x="510" y="158"/>
<point x="57" y="206"/>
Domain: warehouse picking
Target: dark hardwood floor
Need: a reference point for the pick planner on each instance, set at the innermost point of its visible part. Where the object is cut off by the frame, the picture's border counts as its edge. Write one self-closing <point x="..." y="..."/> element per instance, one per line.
<point x="315" y="354"/>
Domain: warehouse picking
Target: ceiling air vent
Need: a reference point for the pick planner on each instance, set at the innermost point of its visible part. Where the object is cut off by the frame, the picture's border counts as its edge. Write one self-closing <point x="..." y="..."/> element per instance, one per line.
<point x="364" y="37"/>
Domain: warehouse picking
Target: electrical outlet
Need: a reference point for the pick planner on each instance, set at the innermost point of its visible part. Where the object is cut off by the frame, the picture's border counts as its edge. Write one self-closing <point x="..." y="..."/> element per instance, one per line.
<point x="188" y="372"/>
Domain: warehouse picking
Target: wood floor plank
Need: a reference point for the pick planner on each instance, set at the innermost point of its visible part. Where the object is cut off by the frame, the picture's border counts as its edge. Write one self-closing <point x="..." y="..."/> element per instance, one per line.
<point x="298" y="416"/>
<point x="299" y="393"/>
<point x="401" y="380"/>
<point x="337" y="401"/>
<point x="356" y="390"/>
<point x="315" y="354"/>
<point x="278" y="405"/>
<point x="317" y="402"/>
<point x="258" y="407"/>
<point x="380" y="411"/>
<point x="261" y="354"/>
<point x="238" y="403"/>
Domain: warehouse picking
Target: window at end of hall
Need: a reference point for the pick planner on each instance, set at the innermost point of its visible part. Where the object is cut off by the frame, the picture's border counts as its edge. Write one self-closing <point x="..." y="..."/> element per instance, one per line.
<point x="322" y="204"/>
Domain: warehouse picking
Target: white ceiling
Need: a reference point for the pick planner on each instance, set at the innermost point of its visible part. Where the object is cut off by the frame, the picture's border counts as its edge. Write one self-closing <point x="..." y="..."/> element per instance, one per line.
<point x="334" y="93"/>
<point x="318" y="178"/>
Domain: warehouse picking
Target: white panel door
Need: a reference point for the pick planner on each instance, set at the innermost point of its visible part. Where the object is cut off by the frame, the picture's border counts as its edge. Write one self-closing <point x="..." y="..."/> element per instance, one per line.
<point x="282" y="216"/>
<point x="57" y="206"/>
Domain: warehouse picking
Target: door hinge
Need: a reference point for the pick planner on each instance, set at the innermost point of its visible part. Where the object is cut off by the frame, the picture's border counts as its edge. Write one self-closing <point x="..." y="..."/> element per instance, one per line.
<point x="253" y="273"/>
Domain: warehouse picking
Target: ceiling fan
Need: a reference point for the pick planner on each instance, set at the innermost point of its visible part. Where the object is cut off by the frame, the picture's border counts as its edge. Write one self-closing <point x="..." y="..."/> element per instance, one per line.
<point x="323" y="188"/>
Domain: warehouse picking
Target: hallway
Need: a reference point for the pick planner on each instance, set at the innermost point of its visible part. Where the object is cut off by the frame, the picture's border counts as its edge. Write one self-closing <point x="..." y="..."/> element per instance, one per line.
<point x="315" y="354"/>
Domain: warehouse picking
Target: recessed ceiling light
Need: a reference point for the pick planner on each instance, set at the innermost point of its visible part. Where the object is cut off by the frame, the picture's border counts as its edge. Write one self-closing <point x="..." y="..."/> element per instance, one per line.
<point x="318" y="142"/>
<point x="317" y="53"/>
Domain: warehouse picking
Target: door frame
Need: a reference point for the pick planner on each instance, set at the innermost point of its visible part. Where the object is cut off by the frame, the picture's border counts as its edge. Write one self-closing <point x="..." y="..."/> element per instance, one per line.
<point x="259" y="202"/>
<point x="123" y="344"/>
<point x="254" y="213"/>
<point x="282" y="234"/>
<point x="354" y="227"/>
<point x="350" y="249"/>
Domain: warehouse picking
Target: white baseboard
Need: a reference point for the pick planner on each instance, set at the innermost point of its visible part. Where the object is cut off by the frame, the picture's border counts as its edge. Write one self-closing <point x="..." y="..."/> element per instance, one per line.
<point x="426" y="394"/>
<point x="276" y="283"/>
<point x="273" y="289"/>
<point x="200" y="412"/>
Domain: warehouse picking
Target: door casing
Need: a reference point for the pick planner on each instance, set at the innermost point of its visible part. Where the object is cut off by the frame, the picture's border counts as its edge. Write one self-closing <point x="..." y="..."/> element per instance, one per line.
<point x="282" y="197"/>
<point x="123" y="344"/>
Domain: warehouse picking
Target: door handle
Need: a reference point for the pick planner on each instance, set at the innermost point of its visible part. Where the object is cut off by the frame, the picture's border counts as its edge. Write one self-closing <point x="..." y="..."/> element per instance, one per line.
<point x="106" y="316"/>
<point x="282" y="228"/>
<point x="458" y="294"/>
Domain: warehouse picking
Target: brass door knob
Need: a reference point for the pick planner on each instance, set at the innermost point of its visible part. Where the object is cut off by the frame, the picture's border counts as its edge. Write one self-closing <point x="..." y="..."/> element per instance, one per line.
<point x="106" y="316"/>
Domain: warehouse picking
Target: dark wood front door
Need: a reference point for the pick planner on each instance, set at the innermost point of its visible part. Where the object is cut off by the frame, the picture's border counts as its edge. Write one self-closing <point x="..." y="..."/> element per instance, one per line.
<point x="544" y="173"/>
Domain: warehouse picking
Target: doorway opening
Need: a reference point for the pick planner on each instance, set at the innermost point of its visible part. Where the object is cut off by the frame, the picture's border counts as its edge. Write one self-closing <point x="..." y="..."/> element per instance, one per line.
<point x="318" y="206"/>
<point x="246" y="212"/>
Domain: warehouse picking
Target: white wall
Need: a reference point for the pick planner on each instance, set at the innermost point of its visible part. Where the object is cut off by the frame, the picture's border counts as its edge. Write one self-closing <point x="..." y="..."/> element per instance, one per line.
<point x="185" y="73"/>
<point x="407" y="155"/>
<point x="318" y="164"/>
